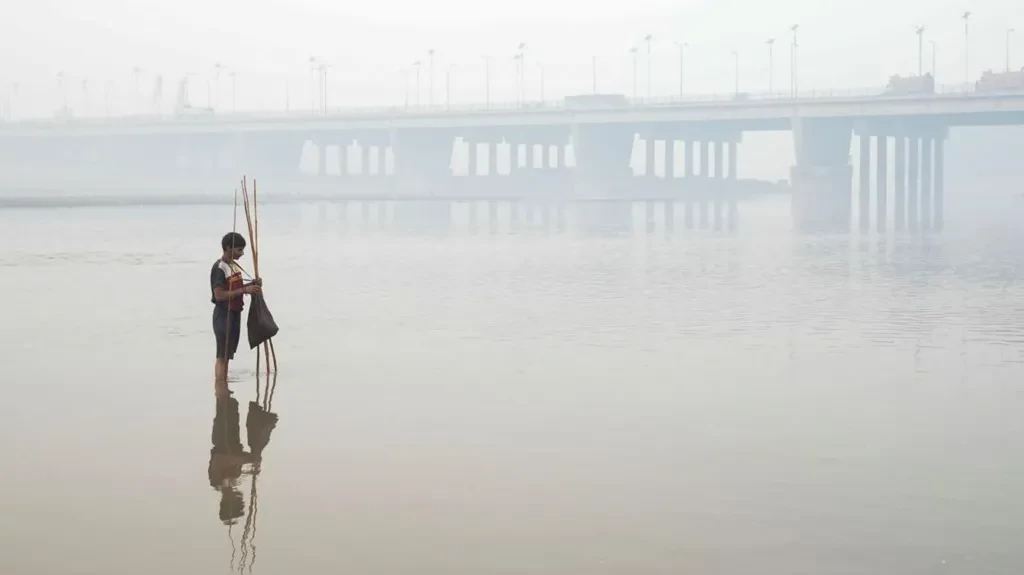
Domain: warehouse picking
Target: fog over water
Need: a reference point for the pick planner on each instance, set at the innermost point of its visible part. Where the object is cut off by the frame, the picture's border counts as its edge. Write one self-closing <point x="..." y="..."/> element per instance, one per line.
<point x="455" y="402"/>
<point x="587" y="376"/>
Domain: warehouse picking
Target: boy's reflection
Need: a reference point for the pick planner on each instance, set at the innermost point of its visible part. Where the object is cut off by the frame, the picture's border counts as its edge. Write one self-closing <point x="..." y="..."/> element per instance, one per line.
<point x="228" y="457"/>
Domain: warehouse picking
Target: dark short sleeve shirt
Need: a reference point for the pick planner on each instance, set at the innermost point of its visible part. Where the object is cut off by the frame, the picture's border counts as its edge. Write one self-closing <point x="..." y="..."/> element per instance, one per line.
<point x="229" y="277"/>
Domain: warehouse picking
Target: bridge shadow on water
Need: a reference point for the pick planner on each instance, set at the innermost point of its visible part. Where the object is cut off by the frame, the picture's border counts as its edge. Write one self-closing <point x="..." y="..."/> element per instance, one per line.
<point x="470" y="217"/>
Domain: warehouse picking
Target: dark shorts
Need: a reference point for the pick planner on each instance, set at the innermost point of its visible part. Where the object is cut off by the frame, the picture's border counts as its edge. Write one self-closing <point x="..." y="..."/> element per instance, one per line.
<point x="227" y="326"/>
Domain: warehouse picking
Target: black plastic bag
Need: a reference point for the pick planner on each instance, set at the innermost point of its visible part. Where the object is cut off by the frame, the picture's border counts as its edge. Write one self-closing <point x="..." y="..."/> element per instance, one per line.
<point x="261" y="324"/>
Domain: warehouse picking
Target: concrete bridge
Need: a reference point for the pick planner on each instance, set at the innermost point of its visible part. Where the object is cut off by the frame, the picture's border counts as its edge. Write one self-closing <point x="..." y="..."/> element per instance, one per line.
<point x="564" y="148"/>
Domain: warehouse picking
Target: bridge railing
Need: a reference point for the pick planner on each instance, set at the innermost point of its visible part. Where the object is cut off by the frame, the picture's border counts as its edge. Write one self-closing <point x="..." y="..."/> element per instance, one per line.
<point x="804" y="96"/>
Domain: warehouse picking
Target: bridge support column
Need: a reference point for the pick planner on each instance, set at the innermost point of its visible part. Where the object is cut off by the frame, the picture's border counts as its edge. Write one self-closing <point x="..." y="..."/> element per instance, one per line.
<point x="822" y="175"/>
<point x="938" y="209"/>
<point x="720" y="173"/>
<point x="882" y="183"/>
<point x="914" y="184"/>
<point x="705" y="158"/>
<point x="513" y="157"/>
<point x="926" y="182"/>
<point x="343" y="169"/>
<point x="720" y="160"/>
<point x="492" y="159"/>
<point x="733" y="160"/>
<point x="473" y="150"/>
<point x="691" y="159"/>
<point x="321" y="158"/>
<point x="864" y="204"/>
<point x="649" y="156"/>
<point x="900" y="197"/>
<point x="670" y="159"/>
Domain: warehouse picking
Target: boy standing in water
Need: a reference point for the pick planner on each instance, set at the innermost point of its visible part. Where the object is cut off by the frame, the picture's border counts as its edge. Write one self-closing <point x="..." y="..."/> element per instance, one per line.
<point x="227" y="288"/>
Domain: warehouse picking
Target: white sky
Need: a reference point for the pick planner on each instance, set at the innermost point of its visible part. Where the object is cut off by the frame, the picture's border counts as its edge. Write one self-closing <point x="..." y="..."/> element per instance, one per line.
<point x="370" y="45"/>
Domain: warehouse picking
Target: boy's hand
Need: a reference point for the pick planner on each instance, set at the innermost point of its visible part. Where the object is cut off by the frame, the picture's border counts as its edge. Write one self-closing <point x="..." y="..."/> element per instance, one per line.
<point x="252" y="289"/>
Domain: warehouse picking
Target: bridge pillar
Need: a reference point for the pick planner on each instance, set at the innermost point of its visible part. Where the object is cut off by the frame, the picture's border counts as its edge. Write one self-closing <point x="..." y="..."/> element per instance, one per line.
<point x="863" y="217"/>
<point x="321" y="157"/>
<point x="720" y="160"/>
<point x="926" y="182"/>
<point x="670" y="160"/>
<point x="822" y="175"/>
<point x="900" y="194"/>
<point x="733" y="160"/>
<point x="555" y="157"/>
<point x="473" y="169"/>
<point x="938" y="209"/>
<point x="691" y="162"/>
<point x="492" y="159"/>
<point x="705" y="158"/>
<point x="343" y="169"/>
<point x="882" y="183"/>
<point x="914" y="184"/>
<point x="649" y="143"/>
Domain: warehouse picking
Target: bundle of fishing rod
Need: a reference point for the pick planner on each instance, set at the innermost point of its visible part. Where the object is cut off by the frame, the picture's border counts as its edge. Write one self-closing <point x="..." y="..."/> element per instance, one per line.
<point x="260" y="324"/>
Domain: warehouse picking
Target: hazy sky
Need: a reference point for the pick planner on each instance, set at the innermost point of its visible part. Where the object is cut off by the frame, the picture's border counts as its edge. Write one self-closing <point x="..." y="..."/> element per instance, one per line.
<point x="371" y="45"/>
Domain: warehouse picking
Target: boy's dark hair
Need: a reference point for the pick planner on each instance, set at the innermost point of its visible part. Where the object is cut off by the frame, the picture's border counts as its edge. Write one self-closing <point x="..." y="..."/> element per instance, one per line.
<point x="232" y="240"/>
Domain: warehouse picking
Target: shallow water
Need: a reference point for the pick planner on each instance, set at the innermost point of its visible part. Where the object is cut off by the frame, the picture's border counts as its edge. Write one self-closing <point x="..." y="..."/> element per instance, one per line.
<point x="747" y="402"/>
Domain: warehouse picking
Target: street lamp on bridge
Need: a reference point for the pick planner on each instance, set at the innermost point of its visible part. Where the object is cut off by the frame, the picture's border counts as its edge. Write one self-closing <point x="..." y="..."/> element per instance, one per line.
<point x="736" y="72"/>
<point x="1008" y="33"/>
<point x="967" y="61"/>
<point x="418" y="64"/>
<point x="633" y="51"/>
<point x="771" y="65"/>
<point x="430" y="97"/>
<point x="682" y="47"/>
<point x="648" y="39"/>
<point x="793" y="88"/>
<point x="920" y="50"/>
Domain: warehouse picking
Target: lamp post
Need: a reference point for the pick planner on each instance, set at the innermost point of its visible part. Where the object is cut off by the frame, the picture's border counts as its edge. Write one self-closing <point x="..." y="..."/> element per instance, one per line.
<point x="518" y="59"/>
<point x="648" y="39"/>
<point x="935" y="73"/>
<point x="418" y="64"/>
<point x="136" y="72"/>
<point x="736" y="72"/>
<point x="430" y="96"/>
<point x="967" y="61"/>
<point x="1008" y="33"/>
<point x="920" y="50"/>
<point x="793" y="86"/>
<point x="633" y="51"/>
<point x="682" y="49"/>
<point x="487" y="80"/>
<point x="312" y="84"/>
<point x="771" y="65"/>
<point x="522" y="71"/>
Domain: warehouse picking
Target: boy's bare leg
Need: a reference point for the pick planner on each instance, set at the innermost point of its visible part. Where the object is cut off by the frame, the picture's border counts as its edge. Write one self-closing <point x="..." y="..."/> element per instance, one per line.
<point x="220" y="377"/>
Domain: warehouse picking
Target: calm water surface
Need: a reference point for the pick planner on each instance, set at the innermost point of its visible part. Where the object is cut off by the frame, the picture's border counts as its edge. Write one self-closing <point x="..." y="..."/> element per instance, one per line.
<point x="755" y="402"/>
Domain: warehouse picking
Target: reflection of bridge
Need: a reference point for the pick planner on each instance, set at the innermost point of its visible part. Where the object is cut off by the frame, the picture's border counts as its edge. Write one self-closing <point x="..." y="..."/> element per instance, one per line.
<point x="410" y="150"/>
